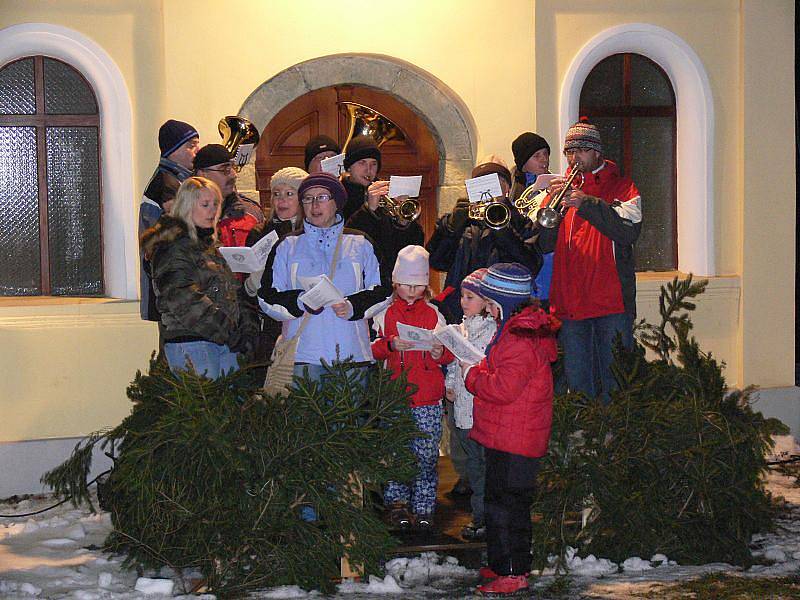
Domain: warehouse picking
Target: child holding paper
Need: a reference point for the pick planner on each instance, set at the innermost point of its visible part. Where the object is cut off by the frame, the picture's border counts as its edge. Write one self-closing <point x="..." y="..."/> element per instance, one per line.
<point x="414" y="503"/>
<point x="512" y="413"/>
<point x="478" y="327"/>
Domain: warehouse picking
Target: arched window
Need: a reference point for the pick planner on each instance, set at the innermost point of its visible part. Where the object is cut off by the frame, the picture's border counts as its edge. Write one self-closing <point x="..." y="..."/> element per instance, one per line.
<point x="50" y="204"/>
<point x="631" y="100"/>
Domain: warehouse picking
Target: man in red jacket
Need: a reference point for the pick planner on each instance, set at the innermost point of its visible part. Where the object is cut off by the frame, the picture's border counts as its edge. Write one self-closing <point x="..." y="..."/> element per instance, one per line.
<point x="594" y="284"/>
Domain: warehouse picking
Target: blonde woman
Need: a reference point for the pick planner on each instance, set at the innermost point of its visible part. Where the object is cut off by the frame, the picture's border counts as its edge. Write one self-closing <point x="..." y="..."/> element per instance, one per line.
<point x="207" y="324"/>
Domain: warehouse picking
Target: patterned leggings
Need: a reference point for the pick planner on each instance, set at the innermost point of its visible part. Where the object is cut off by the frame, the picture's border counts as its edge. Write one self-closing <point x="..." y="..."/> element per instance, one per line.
<point x="422" y="491"/>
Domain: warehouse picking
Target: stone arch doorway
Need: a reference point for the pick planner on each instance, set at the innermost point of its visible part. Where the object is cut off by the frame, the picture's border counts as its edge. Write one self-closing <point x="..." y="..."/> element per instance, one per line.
<point x="320" y="112"/>
<point x="446" y="116"/>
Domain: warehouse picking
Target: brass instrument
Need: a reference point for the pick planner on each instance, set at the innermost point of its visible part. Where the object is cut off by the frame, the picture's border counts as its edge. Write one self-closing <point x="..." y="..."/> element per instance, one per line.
<point x="240" y="137"/>
<point x="530" y="201"/>
<point x="368" y="121"/>
<point x="550" y="216"/>
<point x="493" y="212"/>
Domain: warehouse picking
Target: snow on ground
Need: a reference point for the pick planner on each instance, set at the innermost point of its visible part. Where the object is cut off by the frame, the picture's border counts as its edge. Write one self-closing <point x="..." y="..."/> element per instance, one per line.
<point x="55" y="555"/>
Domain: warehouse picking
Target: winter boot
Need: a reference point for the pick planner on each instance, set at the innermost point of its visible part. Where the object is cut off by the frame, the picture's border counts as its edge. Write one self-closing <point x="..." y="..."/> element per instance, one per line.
<point x="424" y="522"/>
<point x="474" y="532"/>
<point x="398" y="516"/>
<point x="504" y="586"/>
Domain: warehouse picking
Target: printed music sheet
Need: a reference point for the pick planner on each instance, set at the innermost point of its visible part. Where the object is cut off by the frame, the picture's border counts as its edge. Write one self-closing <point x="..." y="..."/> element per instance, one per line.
<point x="322" y="293"/>
<point x="422" y="338"/>
<point x="404" y="186"/>
<point x="484" y="187"/>
<point x="333" y="165"/>
<point x="450" y="336"/>
<point x="249" y="259"/>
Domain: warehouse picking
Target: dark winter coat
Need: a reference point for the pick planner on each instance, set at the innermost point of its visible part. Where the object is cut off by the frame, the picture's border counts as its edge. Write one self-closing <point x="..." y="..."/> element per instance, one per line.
<point x="461" y="250"/>
<point x="388" y="236"/>
<point x="420" y="367"/>
<point x="162" y="187"/>
<point x="198" y="296"/>
<point x="356" y="197"/>
<point x="513" y="386"/>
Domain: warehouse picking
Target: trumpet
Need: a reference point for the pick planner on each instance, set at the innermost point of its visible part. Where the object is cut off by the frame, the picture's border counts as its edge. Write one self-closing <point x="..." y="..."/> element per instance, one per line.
<point x="493" y="212"/>
<point x="405" y="210"/>
<point x="550" y="216"/>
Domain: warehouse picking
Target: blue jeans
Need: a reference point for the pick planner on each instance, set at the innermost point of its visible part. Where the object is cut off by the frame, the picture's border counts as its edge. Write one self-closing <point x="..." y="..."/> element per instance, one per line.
<point x="207" y="358"/>
<point x="588" y="352"/>
<point x="476" y="472"/>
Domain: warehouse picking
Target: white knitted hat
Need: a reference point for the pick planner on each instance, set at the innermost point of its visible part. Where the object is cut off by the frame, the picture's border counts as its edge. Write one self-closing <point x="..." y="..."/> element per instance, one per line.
<point x="411" y="266"/>
<point x="291" y="176"/>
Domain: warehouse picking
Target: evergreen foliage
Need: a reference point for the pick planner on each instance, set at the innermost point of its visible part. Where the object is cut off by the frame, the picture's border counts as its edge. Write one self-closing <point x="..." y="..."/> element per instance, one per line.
<point x="674" y="464"/>
<point x="211" y="475"/>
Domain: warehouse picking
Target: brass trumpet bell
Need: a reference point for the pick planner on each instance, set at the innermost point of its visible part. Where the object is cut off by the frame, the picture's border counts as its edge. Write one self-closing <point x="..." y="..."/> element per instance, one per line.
<point x="550" y="216"/>
<point x="368" y="121"/>
<point x="240" y="137"/>
<point x="494" y="213"/>
<point x="407" y="210"/>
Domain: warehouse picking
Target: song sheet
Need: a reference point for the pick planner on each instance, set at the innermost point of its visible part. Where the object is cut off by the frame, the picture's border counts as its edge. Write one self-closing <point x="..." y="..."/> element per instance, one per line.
<point x="543" y="180"/>
<point x="483" y="187"/>
<point x="422" y="338"/>
<point x="450" y="336"/>
<point x="322" y="293"/>
<point x="249" y="259"/>
<point x="404" y="186"/>
<point x="333" y="165"/>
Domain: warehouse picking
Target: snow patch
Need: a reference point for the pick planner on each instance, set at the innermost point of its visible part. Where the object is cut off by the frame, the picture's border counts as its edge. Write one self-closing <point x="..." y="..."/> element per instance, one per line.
<point x="634" y="563"/>
<point x="285" y="591"/>
<point x="154" y="587"/>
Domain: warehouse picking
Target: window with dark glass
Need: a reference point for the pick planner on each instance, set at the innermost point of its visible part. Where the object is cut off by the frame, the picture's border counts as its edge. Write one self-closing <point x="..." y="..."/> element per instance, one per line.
<point x="50" y="205"/>
<point x="631" y="100"/>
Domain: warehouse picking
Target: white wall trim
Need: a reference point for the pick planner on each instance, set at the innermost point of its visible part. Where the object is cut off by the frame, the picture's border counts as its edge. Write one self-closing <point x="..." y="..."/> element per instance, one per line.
<point x="120" y="245"/>
<point x="695" y="125"/>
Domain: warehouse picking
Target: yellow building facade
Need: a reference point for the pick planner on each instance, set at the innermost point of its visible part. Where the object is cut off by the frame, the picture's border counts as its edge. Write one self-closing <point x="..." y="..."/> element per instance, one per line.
<point x="480" y="73"/>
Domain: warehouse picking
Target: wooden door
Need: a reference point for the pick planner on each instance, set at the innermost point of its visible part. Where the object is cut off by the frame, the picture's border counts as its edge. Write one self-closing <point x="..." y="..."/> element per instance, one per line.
<point x="283" y="140"/>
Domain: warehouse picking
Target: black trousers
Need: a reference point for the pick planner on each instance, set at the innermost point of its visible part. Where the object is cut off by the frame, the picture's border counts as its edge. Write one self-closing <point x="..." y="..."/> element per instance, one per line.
<point x="510" y="486"/>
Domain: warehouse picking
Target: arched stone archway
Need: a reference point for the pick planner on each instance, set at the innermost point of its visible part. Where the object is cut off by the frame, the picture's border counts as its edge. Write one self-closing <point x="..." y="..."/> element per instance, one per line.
<point x="446" y="115"/>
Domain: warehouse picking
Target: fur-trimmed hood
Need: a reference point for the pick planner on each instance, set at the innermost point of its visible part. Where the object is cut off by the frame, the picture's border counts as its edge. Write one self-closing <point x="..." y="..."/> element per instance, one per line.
<point x="165" y="231"/>
<point x="533" y="322"/>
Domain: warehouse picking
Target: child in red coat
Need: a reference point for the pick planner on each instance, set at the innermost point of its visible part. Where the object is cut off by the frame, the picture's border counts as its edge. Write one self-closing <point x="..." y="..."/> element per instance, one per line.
<point x="423" y="369"/>
<point x="512" y="414"/>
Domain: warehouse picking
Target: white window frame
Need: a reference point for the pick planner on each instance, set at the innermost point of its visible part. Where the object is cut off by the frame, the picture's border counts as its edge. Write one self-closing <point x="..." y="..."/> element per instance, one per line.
<point x="120" y="245"/>
<point x="695" y="127"/>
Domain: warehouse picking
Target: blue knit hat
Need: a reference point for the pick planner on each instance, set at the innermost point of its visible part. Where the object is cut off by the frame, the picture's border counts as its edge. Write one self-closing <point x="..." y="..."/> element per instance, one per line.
<point x="174" y="134"/>
<point x="507" y="284"/>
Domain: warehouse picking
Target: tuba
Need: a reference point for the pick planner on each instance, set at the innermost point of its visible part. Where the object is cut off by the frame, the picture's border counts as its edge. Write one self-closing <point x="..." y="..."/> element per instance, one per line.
<point x="240" y="137"/>
<point x="368" y="121"/>
<point x="492" y="211"/>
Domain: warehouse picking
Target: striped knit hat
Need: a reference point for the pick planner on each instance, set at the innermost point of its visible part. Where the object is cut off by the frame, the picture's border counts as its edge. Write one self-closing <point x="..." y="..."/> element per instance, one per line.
<point x="472" y="282"/>
<point x="507" y="284"/>
<point x="583" y="135"/>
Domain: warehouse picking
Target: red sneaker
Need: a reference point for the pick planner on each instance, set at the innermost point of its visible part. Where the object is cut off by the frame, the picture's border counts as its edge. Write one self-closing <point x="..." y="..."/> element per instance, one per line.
<point x="504" y="586"/>
<point x="487" y="574"/>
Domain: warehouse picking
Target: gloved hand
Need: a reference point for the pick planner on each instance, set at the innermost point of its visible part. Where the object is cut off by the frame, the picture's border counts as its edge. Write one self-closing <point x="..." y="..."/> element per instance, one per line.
<point x="458" y="218"/>
<point x="253" y="283"/>
<point x="311" y="311"/>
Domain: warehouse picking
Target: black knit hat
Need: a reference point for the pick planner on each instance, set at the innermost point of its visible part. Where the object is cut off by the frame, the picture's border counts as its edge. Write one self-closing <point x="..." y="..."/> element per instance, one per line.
<point x="318" y="144"/>
<point x="174" y="134"/>
<point x="525" y="146"/>
<point x="360" y="147"/>
<point x="330" y="183"/>
<point x="210" y="155"/>
<point x="492" y="167"/>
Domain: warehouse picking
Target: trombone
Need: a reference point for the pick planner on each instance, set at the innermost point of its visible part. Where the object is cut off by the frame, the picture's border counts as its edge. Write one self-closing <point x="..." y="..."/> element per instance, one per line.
<point x="368" y="121"/>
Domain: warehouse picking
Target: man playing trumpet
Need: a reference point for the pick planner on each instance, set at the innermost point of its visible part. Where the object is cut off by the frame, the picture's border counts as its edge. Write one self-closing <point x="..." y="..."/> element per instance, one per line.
<point x="390" y="233"/>
<point x="593" y="290"/>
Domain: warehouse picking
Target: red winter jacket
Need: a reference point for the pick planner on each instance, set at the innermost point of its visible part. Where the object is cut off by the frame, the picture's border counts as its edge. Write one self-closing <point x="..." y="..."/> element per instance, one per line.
<point x="593" y="266"/>
<point x="513" y="386"/>
<point x="420" y="368"/>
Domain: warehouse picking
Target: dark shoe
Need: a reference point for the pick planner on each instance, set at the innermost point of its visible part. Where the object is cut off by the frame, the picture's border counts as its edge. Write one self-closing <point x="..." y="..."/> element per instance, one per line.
<point x="474" y="532"/>
<point x="461" y="488"/>
<point x="504" y="586"/>
<point x="398" y="516"/>
<point x="424" y="522"/>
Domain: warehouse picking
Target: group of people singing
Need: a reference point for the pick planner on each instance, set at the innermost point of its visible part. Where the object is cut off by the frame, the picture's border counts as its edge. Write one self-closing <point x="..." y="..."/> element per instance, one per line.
<point x="513" y="290"/>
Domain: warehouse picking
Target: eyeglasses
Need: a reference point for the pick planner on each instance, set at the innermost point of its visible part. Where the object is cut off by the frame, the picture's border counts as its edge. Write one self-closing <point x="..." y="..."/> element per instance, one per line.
<point x="321" y="199"/>
<point x="226" y="169"/>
